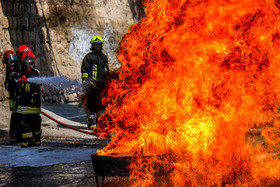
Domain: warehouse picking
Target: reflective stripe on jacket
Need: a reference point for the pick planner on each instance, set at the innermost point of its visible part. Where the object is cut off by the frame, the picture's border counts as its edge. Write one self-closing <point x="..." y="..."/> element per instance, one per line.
<point x="26" y="110"/>
<point x="26" y="97"/>
<point x="94" y="67"/>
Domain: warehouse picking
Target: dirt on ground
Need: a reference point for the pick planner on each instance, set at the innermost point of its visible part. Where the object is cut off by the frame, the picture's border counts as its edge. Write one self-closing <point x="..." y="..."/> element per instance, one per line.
<point x="64" y="157"/>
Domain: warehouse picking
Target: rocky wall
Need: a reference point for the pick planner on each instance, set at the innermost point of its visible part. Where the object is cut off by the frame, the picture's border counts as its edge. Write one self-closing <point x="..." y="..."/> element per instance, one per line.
<point x="59" y="32"/>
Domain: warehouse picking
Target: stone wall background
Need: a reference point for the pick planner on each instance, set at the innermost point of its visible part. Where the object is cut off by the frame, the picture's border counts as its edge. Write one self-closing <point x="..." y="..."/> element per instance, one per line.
<point x="59" y="32"/>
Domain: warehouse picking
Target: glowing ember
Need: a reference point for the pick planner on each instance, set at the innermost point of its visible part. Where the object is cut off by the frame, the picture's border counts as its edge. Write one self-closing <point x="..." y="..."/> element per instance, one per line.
<point x="196" y="76"/>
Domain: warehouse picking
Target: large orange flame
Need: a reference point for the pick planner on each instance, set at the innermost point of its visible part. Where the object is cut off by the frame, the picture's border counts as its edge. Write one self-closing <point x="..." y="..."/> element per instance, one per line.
<point x="196" y="76"/>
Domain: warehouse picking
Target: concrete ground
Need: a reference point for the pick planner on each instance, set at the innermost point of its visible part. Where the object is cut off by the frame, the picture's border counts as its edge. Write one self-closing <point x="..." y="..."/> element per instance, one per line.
<point x="64" y="157"/>
<point x="71" y="114"/>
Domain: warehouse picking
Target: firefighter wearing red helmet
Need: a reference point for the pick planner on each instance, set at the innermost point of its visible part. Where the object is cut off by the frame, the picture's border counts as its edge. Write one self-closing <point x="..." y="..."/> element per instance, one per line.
<point x="9" y="59"/>
<point x="27" y="63"/>
<point x="28" y="100"/>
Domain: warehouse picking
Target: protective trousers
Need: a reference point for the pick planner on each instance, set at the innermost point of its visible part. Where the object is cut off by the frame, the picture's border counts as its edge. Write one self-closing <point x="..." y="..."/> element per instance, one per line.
<point x="15" y="134"/>
<point x="30" y="127"/>
<point x="92" y="118"/>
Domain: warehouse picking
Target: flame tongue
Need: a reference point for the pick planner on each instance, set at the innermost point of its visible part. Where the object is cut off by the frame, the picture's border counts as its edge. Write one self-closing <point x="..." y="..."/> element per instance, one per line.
<point x="196" y="76"/>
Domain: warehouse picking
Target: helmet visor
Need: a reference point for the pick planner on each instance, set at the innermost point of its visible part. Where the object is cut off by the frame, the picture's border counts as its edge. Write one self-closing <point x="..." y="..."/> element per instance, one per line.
<point x="28" y="63"/>
<point x="97" y="43"/>
<point x="10" y="57"/>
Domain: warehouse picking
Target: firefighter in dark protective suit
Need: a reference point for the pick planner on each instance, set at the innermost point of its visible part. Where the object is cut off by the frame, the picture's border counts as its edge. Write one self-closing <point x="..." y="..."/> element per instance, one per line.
<point x="10" y="59"/>
<point x="94" y="71"/>
<point x="13" y="65"/>
<point x="27" y="97"/>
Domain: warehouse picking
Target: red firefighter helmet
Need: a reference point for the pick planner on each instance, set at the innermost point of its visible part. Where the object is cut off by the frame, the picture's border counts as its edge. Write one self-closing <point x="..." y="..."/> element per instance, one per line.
<point x="28" y="61"/>
<point x="21" y="49"/>
<point x="8" y="57"/>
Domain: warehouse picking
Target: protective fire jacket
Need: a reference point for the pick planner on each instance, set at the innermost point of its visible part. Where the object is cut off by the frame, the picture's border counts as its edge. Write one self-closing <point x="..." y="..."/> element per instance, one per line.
<point x="9" y="71"/>
<point x="26" y="97"/>
<point x="94" y="68"/>
<point x="6" y="83"/>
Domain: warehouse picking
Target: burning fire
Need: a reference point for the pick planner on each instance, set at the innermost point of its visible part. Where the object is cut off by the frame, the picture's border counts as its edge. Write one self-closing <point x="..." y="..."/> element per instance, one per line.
<point x="196" y="77"/>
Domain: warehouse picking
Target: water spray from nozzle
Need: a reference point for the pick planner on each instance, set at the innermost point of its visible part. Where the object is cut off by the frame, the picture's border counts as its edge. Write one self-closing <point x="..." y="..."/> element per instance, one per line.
<point x="62" y="83"/>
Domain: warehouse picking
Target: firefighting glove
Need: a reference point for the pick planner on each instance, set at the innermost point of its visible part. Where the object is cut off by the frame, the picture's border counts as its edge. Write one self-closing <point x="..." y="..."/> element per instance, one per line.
<point x="89" y="83"/>
<point x="11" y="84"/>
<point x="13" y="76"/>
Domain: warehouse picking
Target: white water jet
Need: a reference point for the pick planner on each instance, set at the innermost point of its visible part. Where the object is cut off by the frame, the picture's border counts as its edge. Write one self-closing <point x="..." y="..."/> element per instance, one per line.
<point x="62" y="83"/>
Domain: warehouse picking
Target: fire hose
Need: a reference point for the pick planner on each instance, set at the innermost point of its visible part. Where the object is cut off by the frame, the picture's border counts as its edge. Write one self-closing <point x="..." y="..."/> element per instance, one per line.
<point x="24" y="79"/>
<point x="65" y="125"/>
